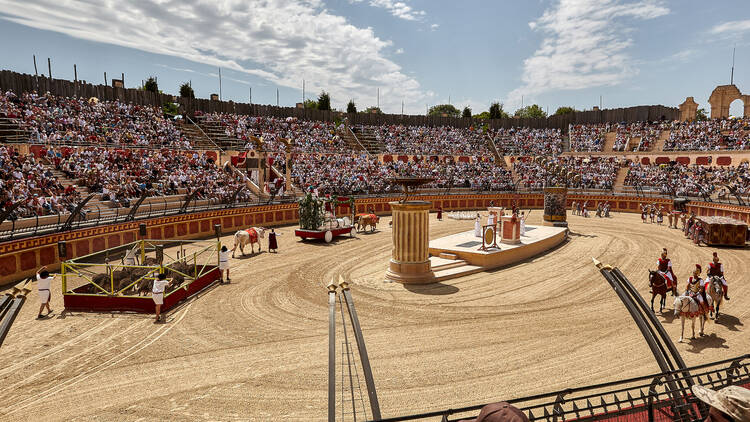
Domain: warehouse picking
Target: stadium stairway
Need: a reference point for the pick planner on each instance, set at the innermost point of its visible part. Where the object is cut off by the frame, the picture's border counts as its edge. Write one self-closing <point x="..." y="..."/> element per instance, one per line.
<point x="198" y="139"/>
<point x="619" y="184"/>
<point x="609" y="141"/>
<point x="11" y="131"/>
<point x="351" y="140"/>
<point x="499" y="160"/>
<point x="633" y="143"/>
<point x="659" y="144"/>
<point x="566" y="143"/>
<point x="366" y="136"/>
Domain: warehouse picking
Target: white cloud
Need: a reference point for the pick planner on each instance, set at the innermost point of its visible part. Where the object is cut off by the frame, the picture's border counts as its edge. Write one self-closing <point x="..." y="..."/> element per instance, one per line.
<point x="731" y="27"/>
<point x="434" y="26"/>
<point x="400" y="51"/>
<point x="398" y="9"/>
<point x="288" y="40"/>
<point x="585" y="45"/>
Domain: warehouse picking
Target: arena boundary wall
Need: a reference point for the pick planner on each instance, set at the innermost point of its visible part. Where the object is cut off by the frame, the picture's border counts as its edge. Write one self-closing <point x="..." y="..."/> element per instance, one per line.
<point x="21" y="258"/>
<point x="21" y="82"/>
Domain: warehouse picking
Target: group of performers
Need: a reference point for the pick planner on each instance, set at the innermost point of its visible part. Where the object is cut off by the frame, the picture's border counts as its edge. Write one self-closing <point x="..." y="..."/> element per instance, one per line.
<point x="652" y="212"/>
<point x="694" y="229"/>
<point x="696" y="286"/>
<point x="582" y="209"/>
<point x="493" y="219"/>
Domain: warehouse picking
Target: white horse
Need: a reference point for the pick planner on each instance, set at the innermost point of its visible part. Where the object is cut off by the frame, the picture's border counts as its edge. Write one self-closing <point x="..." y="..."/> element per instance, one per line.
<point x="715" y="290"/>
<point x="687" y="307"/>
<point x="251" y="236"/>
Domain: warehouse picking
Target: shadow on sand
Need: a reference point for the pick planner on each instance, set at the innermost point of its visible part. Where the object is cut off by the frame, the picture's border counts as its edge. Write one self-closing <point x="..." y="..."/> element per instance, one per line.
<point x="434" y="289"/>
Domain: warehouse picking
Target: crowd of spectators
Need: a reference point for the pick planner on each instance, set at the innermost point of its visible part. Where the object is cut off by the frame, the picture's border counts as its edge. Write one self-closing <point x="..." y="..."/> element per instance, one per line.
<point x="646" y="132"/>
<point x="709" y="135"/>
<point x="443" y="140"/>
<point x="690" y="180"/>
<point x="587" y="137"/>
<point x="25" y="182"/>
<point x="594" y="172"/>
<point x="306" y="136"/>
<point x="362" y="174"/>
<point x="528" y="142"/>
<point x="56" y="120"/>
<point x="122" y="175"/>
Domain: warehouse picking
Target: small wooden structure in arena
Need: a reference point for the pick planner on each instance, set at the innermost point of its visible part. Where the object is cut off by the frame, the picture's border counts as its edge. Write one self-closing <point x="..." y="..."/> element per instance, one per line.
<point x="724" y="231"/>
<point x="120" y="279"/>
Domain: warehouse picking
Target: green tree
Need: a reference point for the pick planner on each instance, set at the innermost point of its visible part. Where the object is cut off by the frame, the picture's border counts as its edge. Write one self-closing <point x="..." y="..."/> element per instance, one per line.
<point x="311" y="104"/>
<point x="170" y="109"/>
<point x="151" y="85"/>
<point x="701" y="115"/>
<point x="444" y="109"/>
<point x="186" y="90"/>
<point x="324" y="101"/>
<point x="532" y="111"/>
<point x="351" y="107"/>
<point x="482" y="115"/>
<point x="564" y="110"/>
<point x="497" y="112"/>
<point x="466" y="113"/>
<point x="373" y="109"/>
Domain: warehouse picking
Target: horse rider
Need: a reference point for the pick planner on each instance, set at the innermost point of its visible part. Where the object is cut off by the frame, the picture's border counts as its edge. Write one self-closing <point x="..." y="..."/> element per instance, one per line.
<point x="696" y="290"/>
<point x="664" y="267"/>
<point x="716" y="269"/>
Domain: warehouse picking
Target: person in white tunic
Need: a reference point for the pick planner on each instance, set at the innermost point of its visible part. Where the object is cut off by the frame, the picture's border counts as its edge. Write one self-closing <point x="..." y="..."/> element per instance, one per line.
<point x="224" y="263"/>
<point x="478" y="226"/>
<point x="523" y="224"/>
<point x="44" y="281"/>
<point x="491" y="219"/>
<point x="157" y="293"/>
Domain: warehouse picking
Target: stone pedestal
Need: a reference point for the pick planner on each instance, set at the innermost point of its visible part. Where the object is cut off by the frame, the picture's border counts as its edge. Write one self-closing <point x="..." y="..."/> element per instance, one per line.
<point x="555" y="213"/>
<point x="410" y="258"/>
<point x="510" y="233"/>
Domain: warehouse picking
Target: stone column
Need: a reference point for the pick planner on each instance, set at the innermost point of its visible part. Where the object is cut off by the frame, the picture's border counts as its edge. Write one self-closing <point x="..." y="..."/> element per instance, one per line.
<point x="410" y="257"/>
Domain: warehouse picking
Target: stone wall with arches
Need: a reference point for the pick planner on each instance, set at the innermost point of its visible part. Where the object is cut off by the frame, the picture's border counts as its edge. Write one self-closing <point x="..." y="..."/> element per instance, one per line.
<point x="722" y="97"/>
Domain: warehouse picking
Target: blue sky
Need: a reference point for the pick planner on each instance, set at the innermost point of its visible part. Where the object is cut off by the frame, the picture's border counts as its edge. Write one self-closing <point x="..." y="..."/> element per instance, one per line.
<point x="419" y="52"/>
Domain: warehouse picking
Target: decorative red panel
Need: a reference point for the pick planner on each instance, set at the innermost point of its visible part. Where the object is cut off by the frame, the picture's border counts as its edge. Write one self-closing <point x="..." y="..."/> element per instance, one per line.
<point x="155" y="233"/>
<point x="259" y="218"/>
<point x="169" y="231"/>
<point x="662" y="160"/>
<point x="7" y="265"/>
<point x="645" y="161"/>
<point x="205" y="226"/>
<point x="194" y="227"/>
<point x="238" y="221"/>
<point x="724" y="161"/>
<point x="28" y="260"/>
<point x="289" y="214"/>
<point x="128" y="237"/>
<point x="182" y="229"/>
<point x="98" y="244"/>
<point x="701" y="161"/>
<point x="454" y="204"/>
<point x="47" y="255"/>
<point x="378" y="207"/>
<point x="113" y="240"/>
<point x="214" y="222"/>
<point x="226" y="222"/>
<point x="279" y="216"/>
<point x="82" y="248"/>
<point x="683" y="160"/>
<point x="269" y="217"/>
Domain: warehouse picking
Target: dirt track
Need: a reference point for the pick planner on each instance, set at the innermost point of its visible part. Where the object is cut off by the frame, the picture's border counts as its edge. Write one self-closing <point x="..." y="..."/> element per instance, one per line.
<point x="257" y="349"/>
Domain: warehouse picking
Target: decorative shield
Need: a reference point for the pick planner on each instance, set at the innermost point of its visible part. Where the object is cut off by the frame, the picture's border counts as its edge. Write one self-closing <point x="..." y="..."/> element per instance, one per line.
<point x="489" y="236"/>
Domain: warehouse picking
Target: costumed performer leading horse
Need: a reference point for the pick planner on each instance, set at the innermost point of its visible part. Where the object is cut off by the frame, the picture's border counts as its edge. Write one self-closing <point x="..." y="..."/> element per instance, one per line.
<point x="664" y="268"/>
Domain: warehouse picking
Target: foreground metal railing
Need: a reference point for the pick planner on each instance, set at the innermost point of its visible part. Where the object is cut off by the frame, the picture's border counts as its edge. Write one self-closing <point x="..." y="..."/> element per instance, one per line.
<point x="645" y="398"/>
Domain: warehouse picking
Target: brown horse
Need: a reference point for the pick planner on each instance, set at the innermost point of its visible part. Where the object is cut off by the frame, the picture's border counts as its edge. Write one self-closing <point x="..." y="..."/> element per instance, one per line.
<point x="658" y="286"/>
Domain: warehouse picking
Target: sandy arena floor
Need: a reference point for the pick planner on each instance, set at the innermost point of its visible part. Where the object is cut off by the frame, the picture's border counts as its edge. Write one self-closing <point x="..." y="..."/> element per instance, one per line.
<point x="257" y="349"/>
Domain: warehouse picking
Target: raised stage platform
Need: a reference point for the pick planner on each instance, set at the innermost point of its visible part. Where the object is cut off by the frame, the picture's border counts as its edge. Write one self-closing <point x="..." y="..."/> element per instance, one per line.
<point x="458" y="255"/>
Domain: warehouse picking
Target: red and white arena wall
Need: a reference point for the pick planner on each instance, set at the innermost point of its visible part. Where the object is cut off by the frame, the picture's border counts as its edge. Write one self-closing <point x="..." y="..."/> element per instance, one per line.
<point x="21" y="258"/>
